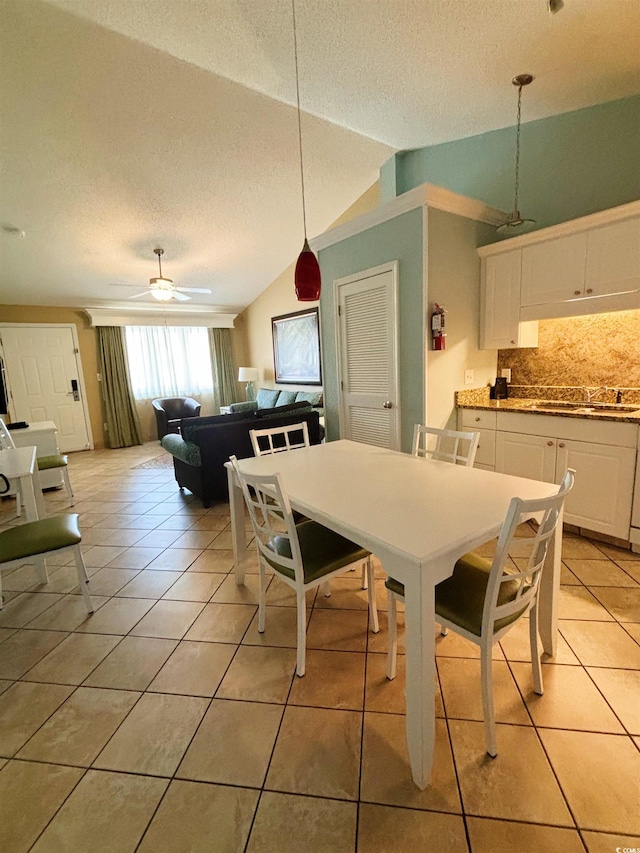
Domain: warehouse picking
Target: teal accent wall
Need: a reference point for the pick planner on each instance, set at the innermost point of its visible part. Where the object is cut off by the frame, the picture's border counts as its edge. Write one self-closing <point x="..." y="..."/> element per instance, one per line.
<point x="571" y="164"/>
<point x="400" y="239"/>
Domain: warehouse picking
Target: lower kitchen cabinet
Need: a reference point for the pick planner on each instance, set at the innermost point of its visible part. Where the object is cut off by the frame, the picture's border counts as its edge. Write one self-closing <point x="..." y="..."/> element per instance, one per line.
<point x="603" y="492"/>
<point x="540" y="447"/>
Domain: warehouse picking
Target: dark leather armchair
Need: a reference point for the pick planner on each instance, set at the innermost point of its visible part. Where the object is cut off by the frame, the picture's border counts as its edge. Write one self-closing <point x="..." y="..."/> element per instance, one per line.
<point x="170" y="411"/>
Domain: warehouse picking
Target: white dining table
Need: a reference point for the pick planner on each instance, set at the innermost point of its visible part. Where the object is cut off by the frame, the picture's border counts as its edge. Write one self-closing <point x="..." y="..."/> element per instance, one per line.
<point x="418" y="516"/>
<point x="19" y="465"/>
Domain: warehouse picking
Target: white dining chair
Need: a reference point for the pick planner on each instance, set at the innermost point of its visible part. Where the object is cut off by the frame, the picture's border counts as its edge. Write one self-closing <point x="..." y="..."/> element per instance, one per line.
<point x="45" y="463"/>
<point x="483" y="599"/>
<point x="445" y="445"/>
<point x="266" y="442"/>
<point x="303" y="556"/>
<point x="32" y="541"/>
<point x="278" y="439"/>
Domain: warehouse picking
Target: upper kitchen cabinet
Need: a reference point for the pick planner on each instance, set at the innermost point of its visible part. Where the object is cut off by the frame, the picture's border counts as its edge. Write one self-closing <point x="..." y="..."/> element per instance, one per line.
<point x="553" y="271"/>
<point x="613" y="258"/>
<point x="500" y="326"/>
<point x="587" y="266"/>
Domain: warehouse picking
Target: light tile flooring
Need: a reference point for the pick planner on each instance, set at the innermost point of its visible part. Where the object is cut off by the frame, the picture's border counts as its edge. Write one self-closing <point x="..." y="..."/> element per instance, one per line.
<point x="166" y="722"/>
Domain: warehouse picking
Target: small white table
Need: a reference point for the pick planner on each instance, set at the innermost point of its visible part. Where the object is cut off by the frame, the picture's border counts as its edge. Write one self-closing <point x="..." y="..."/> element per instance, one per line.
<point x="20" y="464"/>
<point x="418" y="517"/>
<point x="44" y="435"/>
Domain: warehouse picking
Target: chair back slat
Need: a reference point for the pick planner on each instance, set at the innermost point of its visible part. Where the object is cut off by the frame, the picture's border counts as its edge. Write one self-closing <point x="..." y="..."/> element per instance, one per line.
<point x="271" y="517"/>
<point x="445" y="445"/>
<point x="523" y="582"/>
<point x="6" y="439"/>
<point x="265" y="442"/>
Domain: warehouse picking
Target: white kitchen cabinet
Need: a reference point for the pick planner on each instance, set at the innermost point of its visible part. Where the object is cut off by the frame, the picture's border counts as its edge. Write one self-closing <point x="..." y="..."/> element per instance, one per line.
<point x="484" y="423"/>
<point x="44" y="435"/>
<point x="554" y="271"/>
<point x="500" y="326"/>
<point x="613" y="258"/>
<point x="602" y="495"/>
<point x="542" y="447"/>
<point x="588" y="266"/>
<point x="532" y="456"/>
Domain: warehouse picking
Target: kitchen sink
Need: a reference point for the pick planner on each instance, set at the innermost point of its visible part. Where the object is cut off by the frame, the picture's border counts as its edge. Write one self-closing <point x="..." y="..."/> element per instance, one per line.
<point x="594" y="408"/>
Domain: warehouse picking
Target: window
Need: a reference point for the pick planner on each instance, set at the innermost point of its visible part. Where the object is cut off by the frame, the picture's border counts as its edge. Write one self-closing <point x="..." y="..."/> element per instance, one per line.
<point x="168" y="361"/>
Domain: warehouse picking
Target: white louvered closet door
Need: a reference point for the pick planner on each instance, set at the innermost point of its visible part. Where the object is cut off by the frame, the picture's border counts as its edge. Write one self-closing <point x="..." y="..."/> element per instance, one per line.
<point x="368" y="363"/>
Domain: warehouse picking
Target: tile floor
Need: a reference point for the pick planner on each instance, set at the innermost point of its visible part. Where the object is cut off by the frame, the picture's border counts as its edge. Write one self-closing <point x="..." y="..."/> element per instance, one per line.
<point x="165" y="722"/>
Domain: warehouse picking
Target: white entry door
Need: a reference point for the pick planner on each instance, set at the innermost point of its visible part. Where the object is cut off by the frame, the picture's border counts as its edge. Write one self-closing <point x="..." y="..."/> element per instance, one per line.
<point x="45" y="380"/>
<point x="368" y="361"/>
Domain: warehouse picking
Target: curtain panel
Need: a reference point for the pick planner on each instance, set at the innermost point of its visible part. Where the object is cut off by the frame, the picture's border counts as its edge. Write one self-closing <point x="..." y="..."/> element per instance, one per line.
<point x="123" y="423"/>
<point x="223" y="366"/>
<point x="168" y="361"/>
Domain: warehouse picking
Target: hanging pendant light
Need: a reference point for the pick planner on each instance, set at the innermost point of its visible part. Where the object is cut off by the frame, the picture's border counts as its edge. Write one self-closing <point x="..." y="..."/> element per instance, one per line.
<point x="307" y="274"/>
<point x="515" y="224"/>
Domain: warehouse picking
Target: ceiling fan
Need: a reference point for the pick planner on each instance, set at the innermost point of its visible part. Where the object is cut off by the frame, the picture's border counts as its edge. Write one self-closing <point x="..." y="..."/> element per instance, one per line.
<point x="163" y="289"/>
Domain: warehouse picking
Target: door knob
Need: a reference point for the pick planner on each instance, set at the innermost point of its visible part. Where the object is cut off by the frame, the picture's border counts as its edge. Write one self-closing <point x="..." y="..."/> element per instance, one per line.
<point x="387" y="405"/>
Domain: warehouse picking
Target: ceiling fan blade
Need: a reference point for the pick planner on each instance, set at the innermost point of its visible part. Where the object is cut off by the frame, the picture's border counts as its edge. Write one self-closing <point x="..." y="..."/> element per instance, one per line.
<point x="136" y="295"/>
<point x="179" y="296"/>
<point x="193" y="289"/>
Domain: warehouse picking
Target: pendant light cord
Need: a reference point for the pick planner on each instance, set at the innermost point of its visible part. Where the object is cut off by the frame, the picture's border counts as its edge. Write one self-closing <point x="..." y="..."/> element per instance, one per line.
<point x="517" y="182"/>
<point x="295" y="53"/>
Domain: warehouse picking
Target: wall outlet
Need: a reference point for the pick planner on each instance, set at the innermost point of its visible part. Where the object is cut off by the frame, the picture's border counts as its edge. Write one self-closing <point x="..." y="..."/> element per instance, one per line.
<point x="506" y="373"/>
<point x="468" y="377"/>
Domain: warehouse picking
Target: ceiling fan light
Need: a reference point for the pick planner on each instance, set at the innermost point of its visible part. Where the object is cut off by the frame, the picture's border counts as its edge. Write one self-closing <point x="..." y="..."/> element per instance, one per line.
<point x="307" y="276"/>
<point x="161" y="294"/>
<point x="160" y="282"/>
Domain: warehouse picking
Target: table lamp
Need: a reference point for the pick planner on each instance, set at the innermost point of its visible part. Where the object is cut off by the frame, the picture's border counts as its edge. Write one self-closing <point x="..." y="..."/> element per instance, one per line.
<point x="248" y="375"/>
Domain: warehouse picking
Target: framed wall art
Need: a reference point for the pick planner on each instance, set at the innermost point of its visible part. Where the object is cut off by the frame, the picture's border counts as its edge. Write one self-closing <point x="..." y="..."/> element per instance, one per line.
<point x="296" y="348"/>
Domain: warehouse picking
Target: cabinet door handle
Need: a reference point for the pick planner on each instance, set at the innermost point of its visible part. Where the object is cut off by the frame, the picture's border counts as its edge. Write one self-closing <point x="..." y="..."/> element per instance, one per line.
<point x="589" y="290"/>
<point x="550" y="444"/>
<point x="561" y="444"/>
<point x="576" y="292"/>
<point x="513" y="342"/>
<point x="477" y="420"/>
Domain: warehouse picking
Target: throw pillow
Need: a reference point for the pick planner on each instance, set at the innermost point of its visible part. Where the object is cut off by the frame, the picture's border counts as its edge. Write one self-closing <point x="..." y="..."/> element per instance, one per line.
<point x="266" y="398"/>
<point x="313" y="397"/>
<point x="286" y="397"/>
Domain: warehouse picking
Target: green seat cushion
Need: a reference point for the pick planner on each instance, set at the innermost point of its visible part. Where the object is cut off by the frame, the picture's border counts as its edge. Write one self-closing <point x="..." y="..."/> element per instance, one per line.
<point x="395" y="586"/>
<point x="460" y="598"/>
<point x="323" y="551"/>
<point x="38" y="537"/>
<point x="185" y="451"/>
<point x="57" y="460"/>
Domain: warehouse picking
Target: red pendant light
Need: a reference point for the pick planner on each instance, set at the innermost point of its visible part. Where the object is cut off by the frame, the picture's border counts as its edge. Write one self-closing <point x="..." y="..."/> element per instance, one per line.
<point x="307" y="275"/>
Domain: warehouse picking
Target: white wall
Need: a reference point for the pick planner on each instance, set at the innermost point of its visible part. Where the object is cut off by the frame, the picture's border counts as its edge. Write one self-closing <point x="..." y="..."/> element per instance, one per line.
<point x="454" y="283"/>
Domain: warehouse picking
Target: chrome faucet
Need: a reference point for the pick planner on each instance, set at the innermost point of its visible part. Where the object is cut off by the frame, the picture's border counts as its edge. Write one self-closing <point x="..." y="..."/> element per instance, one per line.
<point x="591" y="394"/>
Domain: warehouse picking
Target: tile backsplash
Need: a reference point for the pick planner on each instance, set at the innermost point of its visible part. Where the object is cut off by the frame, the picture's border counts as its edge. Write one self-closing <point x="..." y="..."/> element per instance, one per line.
<point x="602" y="349"/>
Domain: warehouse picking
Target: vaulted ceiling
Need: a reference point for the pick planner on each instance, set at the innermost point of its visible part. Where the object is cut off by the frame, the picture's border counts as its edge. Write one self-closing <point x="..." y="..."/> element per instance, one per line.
<point x="130" y="125"/>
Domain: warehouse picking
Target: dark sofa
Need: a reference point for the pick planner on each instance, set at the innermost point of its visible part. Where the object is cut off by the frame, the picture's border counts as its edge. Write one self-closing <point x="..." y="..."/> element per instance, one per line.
<point x="207" y="443"/>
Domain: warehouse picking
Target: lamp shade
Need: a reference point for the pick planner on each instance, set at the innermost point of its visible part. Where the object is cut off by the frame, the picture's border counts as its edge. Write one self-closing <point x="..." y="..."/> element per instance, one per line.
<point x="307" y="276"/>
<point x="247" y="374"/>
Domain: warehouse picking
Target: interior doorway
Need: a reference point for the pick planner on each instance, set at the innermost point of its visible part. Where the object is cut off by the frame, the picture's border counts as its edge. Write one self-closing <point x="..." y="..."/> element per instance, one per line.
<point x="44" y="380"/>
<point x="368" y="356"/>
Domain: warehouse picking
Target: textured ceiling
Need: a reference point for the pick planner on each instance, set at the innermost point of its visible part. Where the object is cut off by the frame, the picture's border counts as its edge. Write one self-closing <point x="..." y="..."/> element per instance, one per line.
<point x="126" y="125"/>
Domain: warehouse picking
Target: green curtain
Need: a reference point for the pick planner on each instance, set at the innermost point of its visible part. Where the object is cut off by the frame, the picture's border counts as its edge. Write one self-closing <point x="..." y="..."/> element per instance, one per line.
<point x="123" y="423"/>
<point x="223" y="368"/>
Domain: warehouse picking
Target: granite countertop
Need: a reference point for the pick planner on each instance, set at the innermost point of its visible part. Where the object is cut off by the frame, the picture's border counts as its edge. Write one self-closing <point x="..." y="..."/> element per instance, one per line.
<point x="552" y="401"/>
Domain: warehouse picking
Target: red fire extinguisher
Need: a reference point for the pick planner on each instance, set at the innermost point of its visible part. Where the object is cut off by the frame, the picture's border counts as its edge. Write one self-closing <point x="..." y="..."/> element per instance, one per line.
<point x="438" y="333"/>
